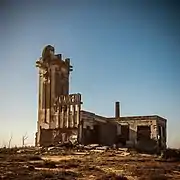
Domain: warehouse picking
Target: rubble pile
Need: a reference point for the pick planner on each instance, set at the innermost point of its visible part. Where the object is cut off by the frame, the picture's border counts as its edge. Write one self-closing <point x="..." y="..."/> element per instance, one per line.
<point x="171" y="154"/>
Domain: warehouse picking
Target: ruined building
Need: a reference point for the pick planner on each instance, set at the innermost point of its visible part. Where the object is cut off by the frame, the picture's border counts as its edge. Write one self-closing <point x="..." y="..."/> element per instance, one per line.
<point x="60" y="117"/>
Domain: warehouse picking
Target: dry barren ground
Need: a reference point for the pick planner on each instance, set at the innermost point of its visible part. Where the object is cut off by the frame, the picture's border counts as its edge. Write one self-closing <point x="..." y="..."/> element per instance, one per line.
<point x="86" y="165"/>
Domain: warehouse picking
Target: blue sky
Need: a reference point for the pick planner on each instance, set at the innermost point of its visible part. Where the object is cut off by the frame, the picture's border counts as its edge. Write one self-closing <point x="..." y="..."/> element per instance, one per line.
<point x="125" y="51"/>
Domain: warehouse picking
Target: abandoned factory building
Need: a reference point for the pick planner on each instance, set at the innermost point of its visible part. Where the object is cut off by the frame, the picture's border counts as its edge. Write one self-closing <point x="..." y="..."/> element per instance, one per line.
<point x="60" y="117"/>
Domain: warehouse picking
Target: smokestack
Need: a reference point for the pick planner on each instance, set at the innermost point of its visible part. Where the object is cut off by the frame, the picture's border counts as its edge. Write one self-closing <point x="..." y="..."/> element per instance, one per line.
<point x="117" y="110"/>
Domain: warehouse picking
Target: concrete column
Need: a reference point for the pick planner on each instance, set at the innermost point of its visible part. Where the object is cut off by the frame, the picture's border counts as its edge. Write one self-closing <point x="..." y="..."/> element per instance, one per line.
<point x="53" y="83"/>
<point x="40" y="111"/>
<point x="78" y="114"/>
<point x="59" y="118"/>
<point x="80" y="131"/>
<point x="117" y="110"/>
<point x="74" y="116"/>
<point x="50" y="95"/>
<point x="55" y="116"/>
<point x="38" y="136"/>
<point x="161" y="132"/>
<point x="118" y="129"/>
<point x="62" y="118"/>
<point x="40" y="90"/>
<point x="45" y="100"/>
<point x="68" y="116"/>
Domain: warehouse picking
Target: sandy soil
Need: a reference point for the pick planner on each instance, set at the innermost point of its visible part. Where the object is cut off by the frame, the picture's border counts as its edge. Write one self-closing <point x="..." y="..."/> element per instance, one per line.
<point x="86" y="166"/>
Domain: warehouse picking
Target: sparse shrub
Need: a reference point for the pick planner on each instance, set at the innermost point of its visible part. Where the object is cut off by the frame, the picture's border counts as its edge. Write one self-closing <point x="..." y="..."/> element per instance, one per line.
<point x="22" y="158"/>
<point x="31" y="168"/>
<point x="91" y="168"/>
<point x="171" y="154"/>
<point x="43" y="175"/>
<point x="112" y="176"/>
<point x="64" y="175"/>
<point x="49" y="164"/>
<point x="8" y="150"/>
<point x="67" y="164"/>
<point x="47" y="174"/>
<point x="159" y="177"/>
<point x="154" y="176"/>
<point x="34" y="158"/>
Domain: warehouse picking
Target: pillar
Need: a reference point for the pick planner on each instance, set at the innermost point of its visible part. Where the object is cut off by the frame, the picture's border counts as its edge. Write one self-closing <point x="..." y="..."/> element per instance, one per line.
<point x="117" y="110"/>
<point x="74" y="115"/>
<point x="78" y="114"/>
<point x="68" y="116"/>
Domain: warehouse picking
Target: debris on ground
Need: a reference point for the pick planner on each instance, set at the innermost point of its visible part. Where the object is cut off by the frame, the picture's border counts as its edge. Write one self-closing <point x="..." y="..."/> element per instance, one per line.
<point x="70" y="161"/>
<point x="171" y="154"/>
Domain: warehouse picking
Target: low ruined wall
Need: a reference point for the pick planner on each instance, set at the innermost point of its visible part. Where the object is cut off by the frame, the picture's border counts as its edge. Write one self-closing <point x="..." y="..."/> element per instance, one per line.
<point x="147" y="146"/>
<point x="134" y="123"/>
<point x="96" y="129"/>
<point x="55" y="136"/>
<point x="107" y="134"/>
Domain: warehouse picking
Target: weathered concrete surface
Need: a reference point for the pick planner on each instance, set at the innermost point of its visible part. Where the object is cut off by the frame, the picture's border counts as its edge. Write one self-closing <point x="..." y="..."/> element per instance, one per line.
<point x="60" y="114"/>
<point x="55" y="136"/>
<point x="141" y="121"/>
<point x="109" y="128"/>
<point x="57" y="108"/>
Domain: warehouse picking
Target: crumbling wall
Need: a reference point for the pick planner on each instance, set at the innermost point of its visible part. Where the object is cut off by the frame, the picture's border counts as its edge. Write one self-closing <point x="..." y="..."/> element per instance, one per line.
<point x="89" y="133"/>
<point x="97" y="129"/>
<point x="46" y="137"/>
<point x="162" y="132"/>
<point x="139" y="121"/>
<point x="55" y="136"/>
<point x="107" y="133"/>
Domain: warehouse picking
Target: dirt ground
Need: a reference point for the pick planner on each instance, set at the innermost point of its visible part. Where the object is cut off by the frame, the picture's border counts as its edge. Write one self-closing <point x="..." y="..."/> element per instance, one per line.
<point x="87" y="165"/>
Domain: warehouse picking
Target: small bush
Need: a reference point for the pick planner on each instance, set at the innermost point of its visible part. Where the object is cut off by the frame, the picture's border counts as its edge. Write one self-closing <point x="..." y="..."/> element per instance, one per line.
<point x="67" y="164"/>
<point x="22" y="158"/>
<point x="153" y="177"/>
<point x="159" y="177"/>
<point x="91" y="168"/>
<point x="43" y="175"/>
<point x="64" y="175"/>
<point x="171" y="154"/>
<point x="34" y="158"/>
<point x="49" y="164"/>
<point x="8" y="150"/>
<point x="112" y="176"/>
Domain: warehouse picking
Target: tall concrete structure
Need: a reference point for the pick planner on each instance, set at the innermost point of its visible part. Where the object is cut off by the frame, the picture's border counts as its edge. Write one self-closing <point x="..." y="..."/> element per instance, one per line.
<point x="60" y="117"/>
<point x="57" y="109"/>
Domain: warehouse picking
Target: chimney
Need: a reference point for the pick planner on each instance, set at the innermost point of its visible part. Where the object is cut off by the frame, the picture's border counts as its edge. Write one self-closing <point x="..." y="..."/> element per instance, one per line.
<point x="117" y="110"/>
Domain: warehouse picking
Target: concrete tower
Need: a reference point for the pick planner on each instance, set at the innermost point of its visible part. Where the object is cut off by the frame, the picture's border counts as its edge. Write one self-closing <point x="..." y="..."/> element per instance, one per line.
<point x="53" y="82"/>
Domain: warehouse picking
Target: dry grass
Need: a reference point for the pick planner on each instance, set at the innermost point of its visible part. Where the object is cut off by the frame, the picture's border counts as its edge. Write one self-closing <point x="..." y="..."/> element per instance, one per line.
<point x="111" y="176"/>
<point x="98" y="166"/>
<point x="19" y="157"/>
